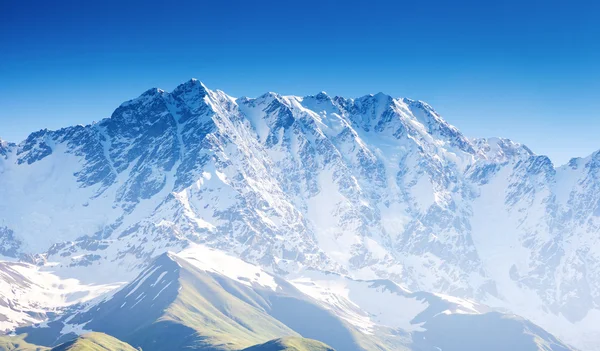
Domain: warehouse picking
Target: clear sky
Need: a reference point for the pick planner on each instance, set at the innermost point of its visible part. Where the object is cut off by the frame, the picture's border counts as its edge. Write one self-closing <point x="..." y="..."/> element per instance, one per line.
<point x="526" y="70"/>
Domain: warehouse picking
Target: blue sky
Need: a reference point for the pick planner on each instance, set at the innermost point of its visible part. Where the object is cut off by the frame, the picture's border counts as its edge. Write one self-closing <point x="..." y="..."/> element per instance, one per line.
<point x="527" y="70"/>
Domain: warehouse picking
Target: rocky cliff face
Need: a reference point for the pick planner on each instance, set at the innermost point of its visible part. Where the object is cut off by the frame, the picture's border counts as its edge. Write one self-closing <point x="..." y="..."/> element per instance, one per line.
<point x="373" y="187"/>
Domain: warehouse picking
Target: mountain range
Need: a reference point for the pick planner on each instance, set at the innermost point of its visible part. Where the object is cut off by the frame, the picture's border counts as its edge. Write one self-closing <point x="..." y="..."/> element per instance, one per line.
<point x="373" y="214"/>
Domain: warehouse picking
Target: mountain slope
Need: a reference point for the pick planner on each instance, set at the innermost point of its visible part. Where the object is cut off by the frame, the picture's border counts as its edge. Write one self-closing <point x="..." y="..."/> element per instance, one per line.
<point x="206" y="300"/>
<point x="16" y="343"/>
<point x="94" y="342"/>
<point x="374" y="187"/>
<point x="86" y="342"/>
<point x="173" y="305"/>
<point x="432" y="321"/>
<point x="291" y="344"/>
<point x="471" y="333"/>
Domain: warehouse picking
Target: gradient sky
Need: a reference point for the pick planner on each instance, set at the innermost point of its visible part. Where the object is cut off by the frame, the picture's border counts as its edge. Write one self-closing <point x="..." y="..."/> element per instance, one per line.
<point x="526" y="70"/>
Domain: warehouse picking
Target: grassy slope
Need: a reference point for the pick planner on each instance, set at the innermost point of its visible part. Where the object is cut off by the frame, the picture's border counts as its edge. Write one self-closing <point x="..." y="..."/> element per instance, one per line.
<point x="87" y="342"/>
<point x="16" y="343"/>
<point x="210" y="314"/>
<point x="94" y="342"/>
<point x="291" y="344"/>
<point x="175" y="306"/>
<point x="225" y="315"/>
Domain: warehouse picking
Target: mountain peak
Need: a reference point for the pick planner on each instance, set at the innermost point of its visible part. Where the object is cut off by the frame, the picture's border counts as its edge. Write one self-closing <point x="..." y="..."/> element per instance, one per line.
<point x="165" y="257"/>
<point x="147" y="97"/>
<point x="191" y="86"/>
<point x="269" y="95"/>
<point x="153" y="92"/>
<point x="195" y="82"/>
<point x="322" y="96"/>
<point x="501" y="149"/>
<point x="379" y="97"/>
<point x="5" y="145"/>
<point x="193" y="93"/>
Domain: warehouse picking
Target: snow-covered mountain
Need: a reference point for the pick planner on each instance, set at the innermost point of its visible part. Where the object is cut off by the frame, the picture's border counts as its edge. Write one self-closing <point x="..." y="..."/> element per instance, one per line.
<point x="371" y="188"/>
